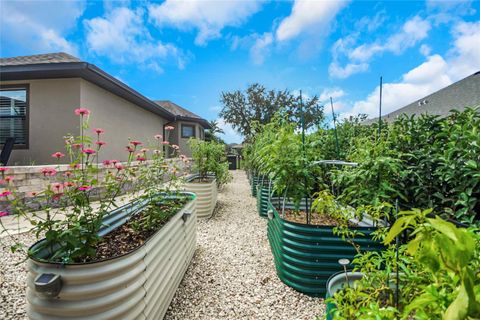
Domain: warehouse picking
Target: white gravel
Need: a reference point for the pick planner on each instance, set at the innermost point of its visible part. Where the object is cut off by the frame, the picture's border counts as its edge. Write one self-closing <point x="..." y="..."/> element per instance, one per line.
<point x="232" y="275"/>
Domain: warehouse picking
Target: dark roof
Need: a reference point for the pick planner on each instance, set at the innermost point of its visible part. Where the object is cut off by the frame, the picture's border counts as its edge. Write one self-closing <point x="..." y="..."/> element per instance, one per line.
<point x="457" y="96"/>
<point x="58" y="57"/>
<point x="181" y="113"/>
<point x="63" y="65"/>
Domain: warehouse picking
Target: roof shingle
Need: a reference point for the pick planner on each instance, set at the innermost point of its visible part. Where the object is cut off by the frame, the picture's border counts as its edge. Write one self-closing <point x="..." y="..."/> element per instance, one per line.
<point x="58" y="57"/>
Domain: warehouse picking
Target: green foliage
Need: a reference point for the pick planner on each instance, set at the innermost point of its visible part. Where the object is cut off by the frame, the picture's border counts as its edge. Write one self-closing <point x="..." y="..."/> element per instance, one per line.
<point x="209" y="158"/>
<point x="438" y="269"/>
<point x="245" y="110"/>
<point x="66" y="214"/>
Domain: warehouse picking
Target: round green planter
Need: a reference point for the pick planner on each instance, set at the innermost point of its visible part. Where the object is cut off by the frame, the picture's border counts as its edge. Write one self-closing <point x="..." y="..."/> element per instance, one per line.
<point x="335" y="283"/>
<point x="307" y="255"/>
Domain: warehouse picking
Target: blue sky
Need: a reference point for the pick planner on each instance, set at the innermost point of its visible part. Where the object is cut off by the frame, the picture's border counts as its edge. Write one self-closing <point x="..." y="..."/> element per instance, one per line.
<point x="191" y="51"/>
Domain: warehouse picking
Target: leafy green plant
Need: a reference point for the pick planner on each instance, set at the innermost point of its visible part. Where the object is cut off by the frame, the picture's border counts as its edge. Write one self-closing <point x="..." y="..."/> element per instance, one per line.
<point x="209" y="158"/>
<point x="438" y="270"/>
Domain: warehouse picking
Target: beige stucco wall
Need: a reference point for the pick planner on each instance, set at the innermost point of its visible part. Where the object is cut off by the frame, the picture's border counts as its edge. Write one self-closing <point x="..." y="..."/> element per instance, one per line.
<point x="120" y="119"/>
<point x="51" y="116"/>
<point x="183" y="142"/>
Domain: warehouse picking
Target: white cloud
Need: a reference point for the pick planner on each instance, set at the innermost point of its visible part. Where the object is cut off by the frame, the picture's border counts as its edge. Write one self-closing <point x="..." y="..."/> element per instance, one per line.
<point x="337" y="71"/>
<point x="122" y="37"/>
<point x="425" y="50"/>
<point x="335" y="93"/>
<point x="358" y="58"/>
<point x="208" y="17"/>
<point x="462" y="60"/>
<point x="260" y="49"/>
<point x="34" y="25"/>
<point x="308" y="17"/>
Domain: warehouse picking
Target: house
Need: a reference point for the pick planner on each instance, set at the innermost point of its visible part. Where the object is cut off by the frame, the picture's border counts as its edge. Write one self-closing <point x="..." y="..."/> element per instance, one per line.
<point x="39" y="94"/>
<point x="186" y="123"/>
<point x="458" y="96"/>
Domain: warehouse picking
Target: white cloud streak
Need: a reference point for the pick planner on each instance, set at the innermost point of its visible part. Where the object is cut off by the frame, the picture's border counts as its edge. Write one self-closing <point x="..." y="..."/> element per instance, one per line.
<point x="209" y="18"/>
<point x="121" y="35"/>
<point x="39" y="29"/>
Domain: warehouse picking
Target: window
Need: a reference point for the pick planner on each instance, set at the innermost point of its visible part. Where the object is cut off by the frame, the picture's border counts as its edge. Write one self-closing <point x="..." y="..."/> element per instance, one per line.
<point x="14" y="114"/>
<point x="188" y="130"/>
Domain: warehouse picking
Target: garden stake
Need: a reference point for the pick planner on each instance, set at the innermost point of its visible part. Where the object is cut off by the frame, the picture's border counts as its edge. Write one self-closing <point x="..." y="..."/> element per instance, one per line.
<point x="380" y="109"/>
<point x="344" y="262"/>
<point x="304" y="156"/>
<point x="335" y="130"/>
<point x="397" y="245"/>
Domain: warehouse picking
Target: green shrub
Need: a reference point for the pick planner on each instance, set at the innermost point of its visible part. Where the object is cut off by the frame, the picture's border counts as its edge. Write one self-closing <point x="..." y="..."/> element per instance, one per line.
<point x="209" y="158"/>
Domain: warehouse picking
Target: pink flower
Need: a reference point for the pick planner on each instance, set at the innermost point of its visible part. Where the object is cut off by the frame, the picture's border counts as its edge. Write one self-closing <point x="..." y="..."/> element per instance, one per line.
<point x="113" y="161"/>
<point x="100" y="143"/>
<point x="157" y="152"/>
<point x="57" y="186"/>
<point x="5" y="193"/>
<point x="82" y="112"/>
<point x="3" y="169"/>
<point x="77" y="145"/>
<point x="88" y="151"/>
<point x="165" y="142"/>
<point x="69" y="184"/>
<point x="107" y="162"/>
<point x="49" y="172"/>
<point x="158" y="136"/>
<point x="144" y="150"/>
<point x="32" y="194"/>
<point x="119" y="166"/>
<point x="67" y="174"/>
<point x="136" y="143"/>
<point x="174" y="146"/>
<point x="84" y="188"/>
<point x="9" y="179"/>
<point x="3" y="213"/>
<point x="98" y="130"/>
<point x="140" y="158"/>
<point x="58" y="155"/>
<point x="130" y="149"/>
<point x="168" y="128"/>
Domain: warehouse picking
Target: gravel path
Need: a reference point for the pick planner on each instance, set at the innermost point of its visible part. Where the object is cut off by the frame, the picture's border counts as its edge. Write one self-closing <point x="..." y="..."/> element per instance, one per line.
<point x="232" y="275"/>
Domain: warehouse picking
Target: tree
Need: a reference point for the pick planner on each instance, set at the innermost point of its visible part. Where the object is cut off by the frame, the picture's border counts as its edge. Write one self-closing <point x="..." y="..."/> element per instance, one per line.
<point x="257" y="105"/>
<point x="211" y="134"/>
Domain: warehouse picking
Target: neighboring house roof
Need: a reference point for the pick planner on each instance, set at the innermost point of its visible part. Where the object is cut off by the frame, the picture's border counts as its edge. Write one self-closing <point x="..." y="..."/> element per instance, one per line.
<point x="182" y="113"/>
<point x="63" y="65"/>
<point x="458" y="96"/>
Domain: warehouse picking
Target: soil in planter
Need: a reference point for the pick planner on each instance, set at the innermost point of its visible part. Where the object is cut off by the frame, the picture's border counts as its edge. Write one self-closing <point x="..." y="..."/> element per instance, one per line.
<point x="315" y="218"/>
<point x="201" y="180"/>
<point x="137" y="230"/>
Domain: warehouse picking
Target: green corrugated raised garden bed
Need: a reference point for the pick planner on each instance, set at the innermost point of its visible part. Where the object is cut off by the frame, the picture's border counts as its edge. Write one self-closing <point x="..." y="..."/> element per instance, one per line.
<point x="307" y="255"/>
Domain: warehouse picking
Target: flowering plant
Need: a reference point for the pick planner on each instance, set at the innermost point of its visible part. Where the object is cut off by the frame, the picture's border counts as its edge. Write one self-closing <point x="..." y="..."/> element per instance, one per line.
<point x="66" y="212"/>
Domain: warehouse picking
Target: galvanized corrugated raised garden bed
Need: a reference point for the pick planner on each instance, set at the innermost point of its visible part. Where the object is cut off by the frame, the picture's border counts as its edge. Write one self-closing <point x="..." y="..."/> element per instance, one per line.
<point x="307" y="255"/>
<point x="206" y="192"/>
<point x="137" y="285"/>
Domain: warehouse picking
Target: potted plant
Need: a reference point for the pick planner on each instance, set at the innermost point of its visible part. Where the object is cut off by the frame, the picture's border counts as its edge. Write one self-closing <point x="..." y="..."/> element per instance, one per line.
<point x="211" y="169"/>
<point x="98" y="260"/>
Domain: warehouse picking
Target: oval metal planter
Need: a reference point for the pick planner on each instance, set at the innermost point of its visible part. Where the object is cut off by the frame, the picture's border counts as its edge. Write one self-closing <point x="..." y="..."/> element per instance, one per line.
<point x="206" y="192"/>
<point x="263" y="196"/>
<point x="137" y="285"/>
<point x="253" y="184"/>
<point x="307" y="255"/>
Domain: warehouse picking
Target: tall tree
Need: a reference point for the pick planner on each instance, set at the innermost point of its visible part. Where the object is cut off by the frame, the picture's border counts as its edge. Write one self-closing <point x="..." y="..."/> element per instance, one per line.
<point x="257" y="105"/>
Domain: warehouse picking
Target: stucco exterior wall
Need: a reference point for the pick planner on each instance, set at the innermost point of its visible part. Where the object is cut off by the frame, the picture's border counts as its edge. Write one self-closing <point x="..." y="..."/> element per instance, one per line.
<point x="120" y="119"/>
<point x="51" y="116"/>
<point x="183" y="142"/>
